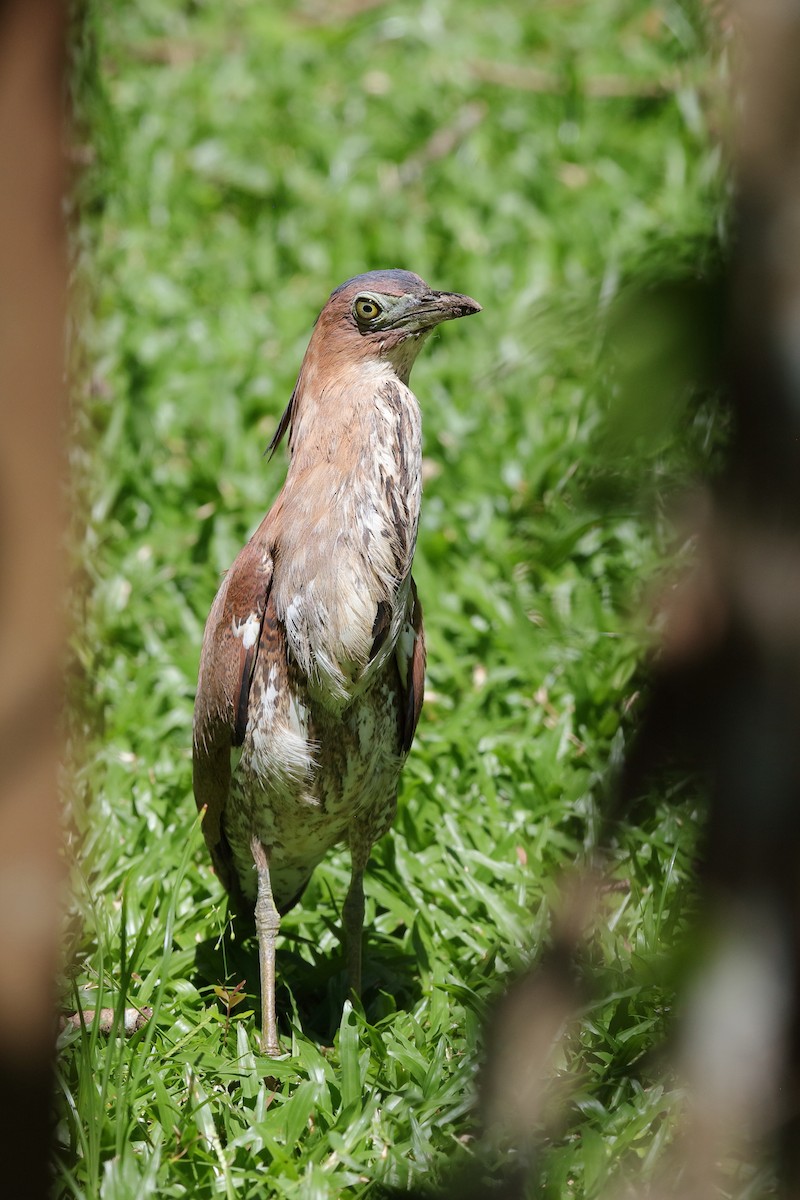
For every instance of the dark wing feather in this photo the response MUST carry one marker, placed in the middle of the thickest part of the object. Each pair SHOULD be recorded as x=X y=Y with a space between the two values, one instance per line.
x=284 y=423
x=227 y=662
x=411 y=662
x=247 y=665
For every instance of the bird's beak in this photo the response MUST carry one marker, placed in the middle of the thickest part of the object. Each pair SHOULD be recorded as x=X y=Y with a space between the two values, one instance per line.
x=425 y=312
x=447 y=306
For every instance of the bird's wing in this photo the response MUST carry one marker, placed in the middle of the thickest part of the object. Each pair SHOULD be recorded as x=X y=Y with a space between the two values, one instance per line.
x=411 y=663
x=227 y=661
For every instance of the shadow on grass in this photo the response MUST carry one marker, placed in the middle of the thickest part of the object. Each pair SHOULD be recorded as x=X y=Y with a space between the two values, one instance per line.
x=312 y=982
x=466 y=1184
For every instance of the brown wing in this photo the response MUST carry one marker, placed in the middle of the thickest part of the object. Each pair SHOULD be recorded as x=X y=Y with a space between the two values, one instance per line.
x=411 y=662
x=227 y=661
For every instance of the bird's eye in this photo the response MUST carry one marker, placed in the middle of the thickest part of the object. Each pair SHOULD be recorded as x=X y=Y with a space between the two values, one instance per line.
x=367 y=309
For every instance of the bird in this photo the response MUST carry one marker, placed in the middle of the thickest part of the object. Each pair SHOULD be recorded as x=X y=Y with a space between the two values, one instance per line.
x=313 y=659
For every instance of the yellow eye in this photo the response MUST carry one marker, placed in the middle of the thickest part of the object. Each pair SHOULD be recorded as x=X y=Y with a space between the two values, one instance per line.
x=367 y=309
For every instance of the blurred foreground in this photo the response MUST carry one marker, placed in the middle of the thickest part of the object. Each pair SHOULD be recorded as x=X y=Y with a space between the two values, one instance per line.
x=32 y=485
x=723 y=699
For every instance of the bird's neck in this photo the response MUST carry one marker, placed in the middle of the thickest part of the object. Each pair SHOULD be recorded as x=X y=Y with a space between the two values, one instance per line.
x=336 y=417
x=348 y=521
x=356 y=461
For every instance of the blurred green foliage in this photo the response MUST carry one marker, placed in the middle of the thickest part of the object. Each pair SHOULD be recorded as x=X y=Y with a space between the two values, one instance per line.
x=243 y=159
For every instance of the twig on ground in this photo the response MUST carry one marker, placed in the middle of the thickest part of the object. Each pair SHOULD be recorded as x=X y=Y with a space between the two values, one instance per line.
x=133 y=1020
x=598 y=87
x=443 y=142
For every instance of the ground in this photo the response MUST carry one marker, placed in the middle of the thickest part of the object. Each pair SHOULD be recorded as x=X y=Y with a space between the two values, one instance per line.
x=238 y=161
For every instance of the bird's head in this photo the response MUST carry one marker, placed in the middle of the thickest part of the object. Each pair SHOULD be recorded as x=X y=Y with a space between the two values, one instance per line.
x=375 y=314
x=381 y=317
x=384 y=315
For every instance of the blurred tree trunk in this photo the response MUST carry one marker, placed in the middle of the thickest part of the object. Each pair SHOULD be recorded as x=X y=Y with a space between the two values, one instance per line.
x=33 y=271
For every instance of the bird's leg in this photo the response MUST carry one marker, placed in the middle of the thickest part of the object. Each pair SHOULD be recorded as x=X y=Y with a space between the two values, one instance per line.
x=267 y=925
x=353 y=910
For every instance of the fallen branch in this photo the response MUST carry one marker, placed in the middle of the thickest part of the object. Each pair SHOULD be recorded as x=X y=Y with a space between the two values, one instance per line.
x=598 y=87
x=443 y=142
x=338 y=10
x=133 y=1020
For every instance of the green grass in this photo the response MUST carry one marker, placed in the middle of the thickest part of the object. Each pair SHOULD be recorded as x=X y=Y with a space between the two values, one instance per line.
x=246 y=159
